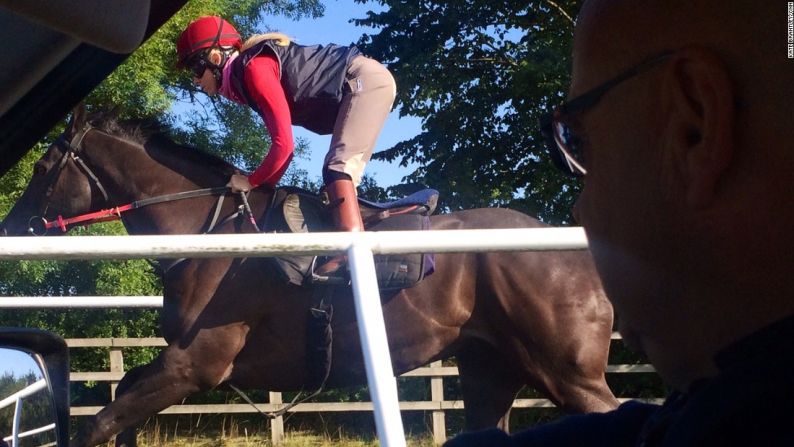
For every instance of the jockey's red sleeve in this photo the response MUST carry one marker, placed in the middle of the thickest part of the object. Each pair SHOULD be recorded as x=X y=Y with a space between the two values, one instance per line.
x=264 y=87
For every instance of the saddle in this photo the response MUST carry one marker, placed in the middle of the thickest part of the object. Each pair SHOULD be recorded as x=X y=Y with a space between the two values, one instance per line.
x=295 y=210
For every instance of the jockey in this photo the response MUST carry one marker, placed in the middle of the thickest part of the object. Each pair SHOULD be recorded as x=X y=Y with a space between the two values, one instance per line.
x=327 y=89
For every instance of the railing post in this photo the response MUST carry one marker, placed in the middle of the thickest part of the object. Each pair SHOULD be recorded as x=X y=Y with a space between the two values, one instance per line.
x=17 y=417
x=437 y=396
x=116 y=365
x=375 y=347
x=276 y=424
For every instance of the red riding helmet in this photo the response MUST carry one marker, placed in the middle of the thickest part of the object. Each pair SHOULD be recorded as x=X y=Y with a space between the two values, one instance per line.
x=206 y=32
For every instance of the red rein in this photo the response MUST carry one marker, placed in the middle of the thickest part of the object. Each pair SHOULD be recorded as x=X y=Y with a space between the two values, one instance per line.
x=115 y=212
x=90 y=218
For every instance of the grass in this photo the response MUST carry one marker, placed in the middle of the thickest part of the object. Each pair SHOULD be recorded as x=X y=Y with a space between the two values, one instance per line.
x=294 y=439
x=231 y=434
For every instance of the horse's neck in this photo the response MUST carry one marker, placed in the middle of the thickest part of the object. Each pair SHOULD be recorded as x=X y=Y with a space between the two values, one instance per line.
x=131 y=173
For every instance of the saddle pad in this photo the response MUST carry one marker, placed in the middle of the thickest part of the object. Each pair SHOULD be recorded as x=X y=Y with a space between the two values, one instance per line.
x=394 y=272
x=401 y=271
x=305 y=214
x=302 y=212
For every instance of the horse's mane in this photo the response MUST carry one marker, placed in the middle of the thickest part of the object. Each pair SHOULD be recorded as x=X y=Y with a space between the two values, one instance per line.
x=150 y=130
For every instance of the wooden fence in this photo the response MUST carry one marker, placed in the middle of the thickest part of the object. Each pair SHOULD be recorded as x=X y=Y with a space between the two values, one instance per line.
x=435 y=371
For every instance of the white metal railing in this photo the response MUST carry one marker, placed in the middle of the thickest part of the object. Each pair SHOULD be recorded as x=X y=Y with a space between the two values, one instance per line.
x=16 y=400
x=264 y=245
x=359 y=247
x=79 y=302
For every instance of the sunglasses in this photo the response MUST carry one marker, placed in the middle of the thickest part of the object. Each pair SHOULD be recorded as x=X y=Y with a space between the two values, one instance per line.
x=563 y=143
x=197 y=65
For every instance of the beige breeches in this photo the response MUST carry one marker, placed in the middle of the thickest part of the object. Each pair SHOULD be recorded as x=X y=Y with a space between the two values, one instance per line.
x=364 y=108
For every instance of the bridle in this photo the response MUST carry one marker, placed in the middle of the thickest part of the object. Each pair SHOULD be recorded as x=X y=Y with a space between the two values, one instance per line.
x=71 y=149
x=70 y=152
x=39 y=225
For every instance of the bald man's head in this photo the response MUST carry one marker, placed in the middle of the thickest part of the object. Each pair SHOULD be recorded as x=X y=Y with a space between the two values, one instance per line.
x=689 y=160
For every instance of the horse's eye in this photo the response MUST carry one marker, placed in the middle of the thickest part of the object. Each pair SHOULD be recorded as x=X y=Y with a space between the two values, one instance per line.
x=39 y=169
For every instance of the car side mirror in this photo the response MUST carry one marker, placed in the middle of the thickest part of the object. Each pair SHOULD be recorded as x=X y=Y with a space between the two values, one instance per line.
x=34 y=382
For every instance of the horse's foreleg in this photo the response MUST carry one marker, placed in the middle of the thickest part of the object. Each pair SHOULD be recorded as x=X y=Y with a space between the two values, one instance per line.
x=578 y=384
x=582 y=387
x=89 y=432
x=128 y=436
x=172 y=376
x=489 y=385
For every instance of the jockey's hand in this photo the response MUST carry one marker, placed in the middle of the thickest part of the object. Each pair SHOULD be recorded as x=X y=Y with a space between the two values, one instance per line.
x=239 y=183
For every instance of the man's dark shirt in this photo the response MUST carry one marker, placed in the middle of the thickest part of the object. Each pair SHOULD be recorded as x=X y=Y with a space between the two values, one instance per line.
x=749 y=403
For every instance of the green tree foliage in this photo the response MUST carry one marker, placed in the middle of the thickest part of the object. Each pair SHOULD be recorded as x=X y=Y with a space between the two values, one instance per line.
x=479 y=73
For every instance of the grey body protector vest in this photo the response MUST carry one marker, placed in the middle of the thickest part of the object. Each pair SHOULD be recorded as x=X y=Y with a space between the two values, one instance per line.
x=313 y=78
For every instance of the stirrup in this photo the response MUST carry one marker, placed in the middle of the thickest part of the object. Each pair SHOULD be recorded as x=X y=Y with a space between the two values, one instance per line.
x=338 y=277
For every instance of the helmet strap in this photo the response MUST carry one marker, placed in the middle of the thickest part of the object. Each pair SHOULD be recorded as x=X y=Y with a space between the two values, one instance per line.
x=217 y=70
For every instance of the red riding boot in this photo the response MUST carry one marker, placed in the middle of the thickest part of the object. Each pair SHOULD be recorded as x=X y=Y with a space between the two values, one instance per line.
x=343 y=201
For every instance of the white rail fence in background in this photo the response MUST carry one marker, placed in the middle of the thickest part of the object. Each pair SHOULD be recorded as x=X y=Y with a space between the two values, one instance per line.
x=16 y=400
x=359 y=247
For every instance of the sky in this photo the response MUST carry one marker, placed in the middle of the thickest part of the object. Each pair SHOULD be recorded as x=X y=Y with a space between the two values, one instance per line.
x=17 y=363
x=334 y=27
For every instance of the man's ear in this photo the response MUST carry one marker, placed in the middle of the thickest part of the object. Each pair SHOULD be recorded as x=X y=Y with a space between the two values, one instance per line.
x=701 y=113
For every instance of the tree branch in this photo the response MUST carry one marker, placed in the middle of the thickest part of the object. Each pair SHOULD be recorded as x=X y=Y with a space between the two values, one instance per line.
x=562 y=11
x=495 y=60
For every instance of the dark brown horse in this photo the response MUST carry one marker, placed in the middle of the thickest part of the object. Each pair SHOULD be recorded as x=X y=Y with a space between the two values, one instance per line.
x=510 y=319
